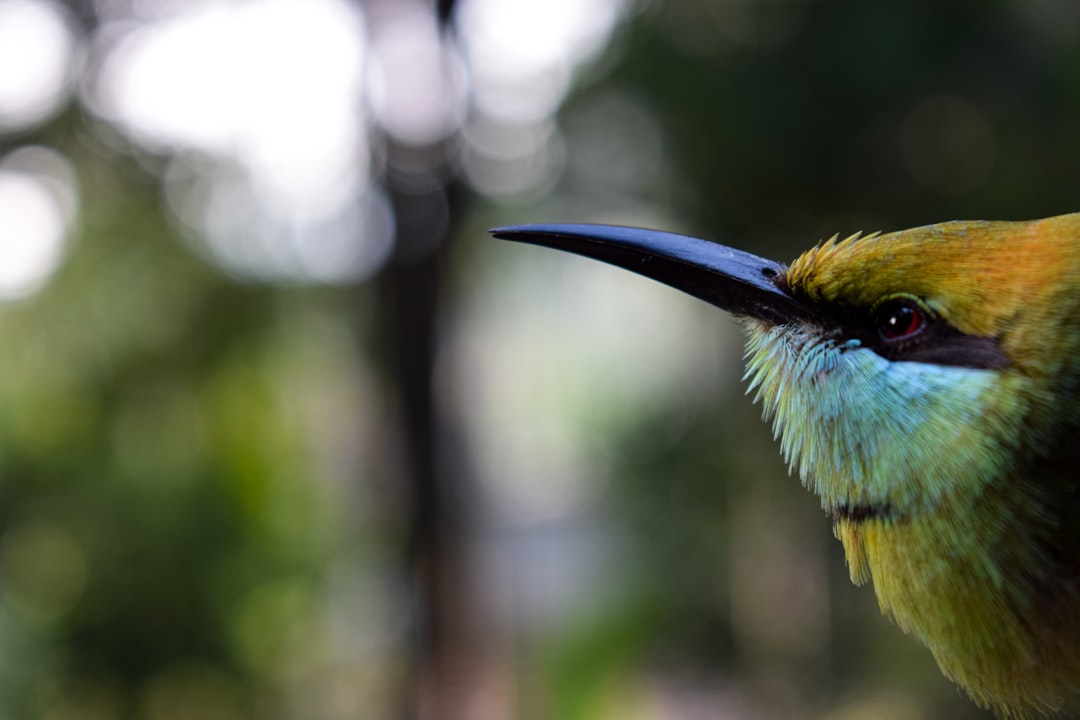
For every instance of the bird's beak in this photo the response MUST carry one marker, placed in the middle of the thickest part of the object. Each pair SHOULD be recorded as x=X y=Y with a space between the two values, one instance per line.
x=736 y=281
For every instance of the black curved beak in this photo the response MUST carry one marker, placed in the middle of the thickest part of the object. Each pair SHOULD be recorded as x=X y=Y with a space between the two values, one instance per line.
x=733 y=280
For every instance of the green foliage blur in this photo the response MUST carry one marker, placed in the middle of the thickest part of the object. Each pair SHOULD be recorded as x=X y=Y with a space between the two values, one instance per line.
x=163 y=542
x=176 y=539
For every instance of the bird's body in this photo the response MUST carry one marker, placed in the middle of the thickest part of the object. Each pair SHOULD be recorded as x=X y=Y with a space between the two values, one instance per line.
x=925 y=385
x=951 y=465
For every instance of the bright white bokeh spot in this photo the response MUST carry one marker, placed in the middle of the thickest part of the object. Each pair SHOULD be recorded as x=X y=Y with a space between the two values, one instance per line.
x=261 y=103
x=36 y=53
x=522 y=52
x=38 y=200
x=272 y=83
x=522 y=56
x=416 y=84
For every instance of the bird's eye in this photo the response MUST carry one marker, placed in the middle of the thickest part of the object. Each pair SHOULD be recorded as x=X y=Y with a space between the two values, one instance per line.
x=899 y=319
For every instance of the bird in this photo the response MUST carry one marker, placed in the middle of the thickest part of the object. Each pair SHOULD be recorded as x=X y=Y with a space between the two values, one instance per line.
x=925 y=385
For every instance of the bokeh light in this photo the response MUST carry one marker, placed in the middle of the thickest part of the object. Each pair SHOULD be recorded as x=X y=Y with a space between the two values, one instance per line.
x=260 y=103
x=416 y=83
x=37 y=54
x=38 y=201
x=522 y=54
x=521 y=57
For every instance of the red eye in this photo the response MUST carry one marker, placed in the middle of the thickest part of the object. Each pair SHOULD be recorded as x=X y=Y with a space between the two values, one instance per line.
x=899 y=319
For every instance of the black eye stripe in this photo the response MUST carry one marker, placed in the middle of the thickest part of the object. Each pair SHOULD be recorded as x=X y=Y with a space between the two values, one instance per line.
x=937 y=342
x=934 y=342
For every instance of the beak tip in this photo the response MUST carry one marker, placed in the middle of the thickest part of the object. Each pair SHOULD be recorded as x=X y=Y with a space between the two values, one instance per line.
x=506 y=232
x=516 y=232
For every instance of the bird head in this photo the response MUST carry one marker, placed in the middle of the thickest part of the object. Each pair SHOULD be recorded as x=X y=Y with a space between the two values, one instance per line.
x=899 y=370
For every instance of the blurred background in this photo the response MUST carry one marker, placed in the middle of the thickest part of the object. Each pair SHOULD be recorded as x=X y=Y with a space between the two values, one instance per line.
x=285 y=434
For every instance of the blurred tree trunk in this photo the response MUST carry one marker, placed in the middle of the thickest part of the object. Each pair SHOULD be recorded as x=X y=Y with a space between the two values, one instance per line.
x=443 y=664
x=408 y=301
